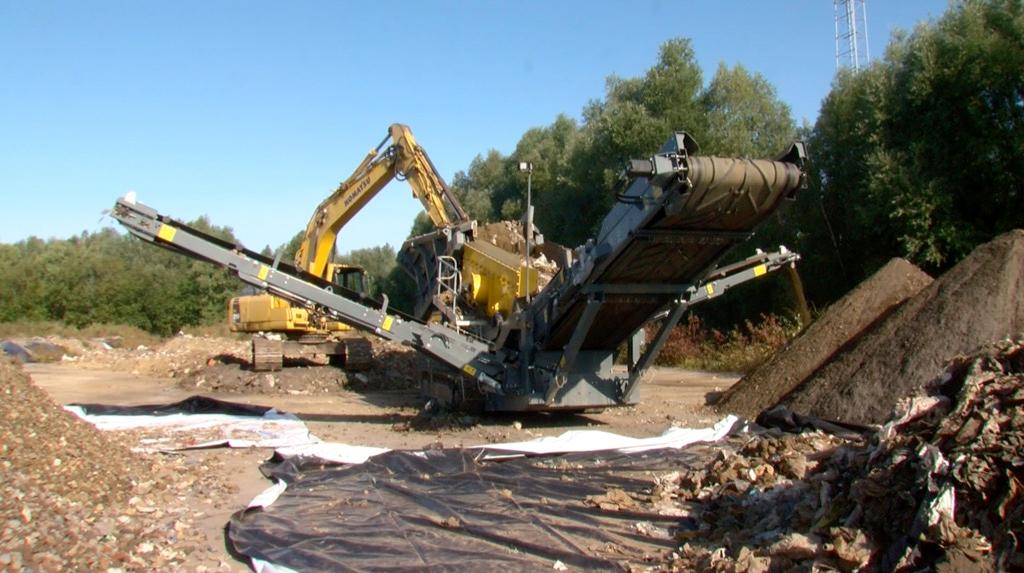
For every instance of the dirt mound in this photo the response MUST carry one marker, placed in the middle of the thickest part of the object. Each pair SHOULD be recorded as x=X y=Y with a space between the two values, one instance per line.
x=73 y=499
x=175 y=357
x=393 y=367
x=979 y=300
x=855 y=313
x=937 y=488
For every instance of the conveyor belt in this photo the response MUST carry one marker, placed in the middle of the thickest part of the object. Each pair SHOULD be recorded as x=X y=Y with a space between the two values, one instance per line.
x=667 y=232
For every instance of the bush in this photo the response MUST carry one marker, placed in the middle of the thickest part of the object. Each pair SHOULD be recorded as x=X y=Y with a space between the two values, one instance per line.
x=694 y=346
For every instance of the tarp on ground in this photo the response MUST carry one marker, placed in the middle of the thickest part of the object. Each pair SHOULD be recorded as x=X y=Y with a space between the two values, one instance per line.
x=459 y=510
x=200 y=422
x=15 y=351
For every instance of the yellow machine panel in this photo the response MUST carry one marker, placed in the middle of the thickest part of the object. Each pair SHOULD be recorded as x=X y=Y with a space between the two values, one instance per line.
x=268 y=313
x=265 y=312
x=496 y=278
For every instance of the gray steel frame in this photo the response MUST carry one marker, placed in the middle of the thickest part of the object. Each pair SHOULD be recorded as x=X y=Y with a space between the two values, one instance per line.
x=447 y=345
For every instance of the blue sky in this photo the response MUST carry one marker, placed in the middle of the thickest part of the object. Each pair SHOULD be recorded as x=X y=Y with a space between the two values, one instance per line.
x=252 y=112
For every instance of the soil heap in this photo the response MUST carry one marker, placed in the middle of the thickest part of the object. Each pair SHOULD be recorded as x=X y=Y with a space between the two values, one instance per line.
x=977 y=301
x=861 y=309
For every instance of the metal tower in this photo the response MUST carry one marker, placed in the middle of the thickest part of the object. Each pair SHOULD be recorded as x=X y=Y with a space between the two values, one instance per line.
x=851 y=33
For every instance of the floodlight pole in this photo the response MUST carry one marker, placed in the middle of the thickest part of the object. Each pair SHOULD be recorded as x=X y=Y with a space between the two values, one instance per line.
x=527 y=167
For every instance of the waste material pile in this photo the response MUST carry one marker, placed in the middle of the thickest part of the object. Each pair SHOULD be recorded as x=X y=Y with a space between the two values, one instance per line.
x=36 y=349
x=176 y=357
x=510 y=237
x=393 y=367
x=74 y=499
x=213 y=364
x=938 y=487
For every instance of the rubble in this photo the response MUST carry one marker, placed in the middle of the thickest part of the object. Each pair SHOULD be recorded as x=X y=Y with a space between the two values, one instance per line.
x=36 y=349
x=510 y=236
x=393 y=367
x=846 y=320
x=73 y=499
x=175 y=357
x=938 y=487
x=221 y=365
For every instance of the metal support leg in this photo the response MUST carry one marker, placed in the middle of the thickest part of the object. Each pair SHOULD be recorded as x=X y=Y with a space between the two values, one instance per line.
x=634 y=347
x=798 y=296
x=653 y=349
x=572 y=349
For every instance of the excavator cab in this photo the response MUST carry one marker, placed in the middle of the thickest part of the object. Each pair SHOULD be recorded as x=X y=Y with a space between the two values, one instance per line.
x=351 y=277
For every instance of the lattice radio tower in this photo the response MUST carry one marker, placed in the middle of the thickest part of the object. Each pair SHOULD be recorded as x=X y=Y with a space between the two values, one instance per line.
x=851 y=33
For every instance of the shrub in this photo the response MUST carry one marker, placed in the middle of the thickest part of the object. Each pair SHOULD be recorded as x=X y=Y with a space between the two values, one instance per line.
x=694 y=346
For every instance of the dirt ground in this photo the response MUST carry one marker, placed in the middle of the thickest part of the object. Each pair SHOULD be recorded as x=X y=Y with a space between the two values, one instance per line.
x=367 y=418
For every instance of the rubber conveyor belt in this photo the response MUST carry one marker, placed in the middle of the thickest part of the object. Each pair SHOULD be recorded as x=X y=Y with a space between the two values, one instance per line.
x=680 y=215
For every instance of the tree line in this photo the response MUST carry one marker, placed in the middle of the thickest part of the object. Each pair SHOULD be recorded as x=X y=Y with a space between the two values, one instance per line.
x=920 y=155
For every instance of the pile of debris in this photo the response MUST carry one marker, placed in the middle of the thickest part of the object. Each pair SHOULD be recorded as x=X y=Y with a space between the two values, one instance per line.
x=938 y=487
x=214 y=364
x=511 y=237
x=176 y=357
x=74 y=499
x=35 y=349
x=393 y=367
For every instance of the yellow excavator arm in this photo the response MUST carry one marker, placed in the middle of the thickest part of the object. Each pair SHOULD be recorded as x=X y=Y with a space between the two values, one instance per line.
x=397 y=156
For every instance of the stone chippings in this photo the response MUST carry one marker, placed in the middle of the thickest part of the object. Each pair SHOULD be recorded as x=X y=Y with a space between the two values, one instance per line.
x=74 y=499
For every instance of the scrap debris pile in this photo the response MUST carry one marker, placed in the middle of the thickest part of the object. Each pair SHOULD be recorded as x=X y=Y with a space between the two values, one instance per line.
x=393 y=367
x=176 y=357
x=510 y=237
x=213 y=364
x=938 y=487
x=74 y=499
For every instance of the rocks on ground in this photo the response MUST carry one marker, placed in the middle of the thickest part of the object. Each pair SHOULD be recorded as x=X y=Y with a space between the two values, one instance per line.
x=73 y=499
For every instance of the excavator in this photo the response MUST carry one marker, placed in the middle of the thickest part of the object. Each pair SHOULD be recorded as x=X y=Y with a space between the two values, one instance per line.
x=282 y=330
x=509 y=342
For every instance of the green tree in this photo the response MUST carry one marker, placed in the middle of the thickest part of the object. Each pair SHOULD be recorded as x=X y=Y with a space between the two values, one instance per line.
x=378 y=262
x=477 y=186
x=577 y=165
x=106 y=277
x=744 y=115
x=921 y=155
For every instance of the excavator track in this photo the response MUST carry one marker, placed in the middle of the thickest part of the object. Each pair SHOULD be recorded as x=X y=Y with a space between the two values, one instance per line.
x=353 y=353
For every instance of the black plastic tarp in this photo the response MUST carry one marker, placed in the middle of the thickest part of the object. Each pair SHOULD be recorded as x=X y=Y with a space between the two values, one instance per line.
x=449 y=510
x=190 y=405
x=15 y=351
